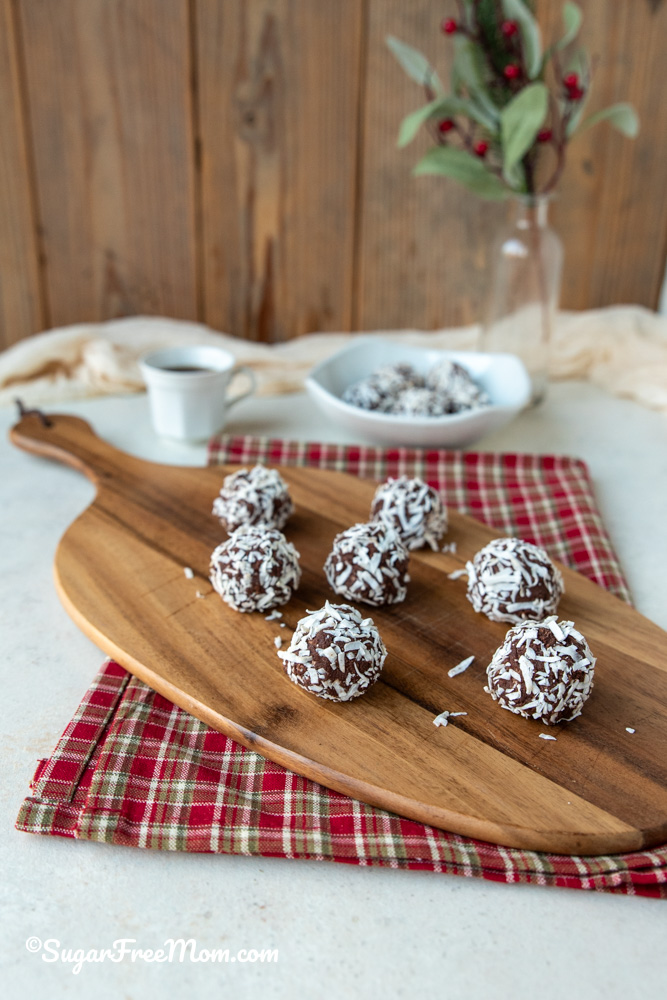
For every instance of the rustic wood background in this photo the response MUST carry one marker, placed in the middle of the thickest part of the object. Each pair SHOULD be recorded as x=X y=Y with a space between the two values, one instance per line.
x=234 y=161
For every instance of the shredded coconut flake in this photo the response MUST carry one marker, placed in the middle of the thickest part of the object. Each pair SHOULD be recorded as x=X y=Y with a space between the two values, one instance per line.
x=546 y=736
x=457 y=574
x=277 y=642
x=629 y=730
x=444 y=717
x=556 y=629
x=273 y=616
x=188 y=573
x=460 y=667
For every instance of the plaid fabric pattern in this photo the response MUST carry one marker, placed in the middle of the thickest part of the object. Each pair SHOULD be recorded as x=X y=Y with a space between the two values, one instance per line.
x=133 y=769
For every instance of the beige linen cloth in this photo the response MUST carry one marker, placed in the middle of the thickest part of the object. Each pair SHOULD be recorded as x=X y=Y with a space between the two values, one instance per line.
x=623 y=349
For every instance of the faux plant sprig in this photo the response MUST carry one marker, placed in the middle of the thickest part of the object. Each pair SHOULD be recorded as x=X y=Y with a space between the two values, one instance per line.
x=512 y=103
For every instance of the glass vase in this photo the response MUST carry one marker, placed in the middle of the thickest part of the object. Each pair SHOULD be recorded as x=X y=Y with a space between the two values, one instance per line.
x=524 y=289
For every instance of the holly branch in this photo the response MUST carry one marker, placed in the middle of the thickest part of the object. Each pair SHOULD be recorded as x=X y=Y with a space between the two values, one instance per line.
x=511 y=101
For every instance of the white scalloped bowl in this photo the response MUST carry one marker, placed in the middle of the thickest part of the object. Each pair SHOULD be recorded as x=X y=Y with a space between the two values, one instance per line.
x=502 y=376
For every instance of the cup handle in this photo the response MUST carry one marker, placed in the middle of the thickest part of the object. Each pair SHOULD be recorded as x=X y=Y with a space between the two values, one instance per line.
x=242 y=370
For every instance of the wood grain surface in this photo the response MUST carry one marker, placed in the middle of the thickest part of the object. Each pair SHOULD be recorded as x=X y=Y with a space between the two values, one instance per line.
x=120 y=573
x=111 y=129
x=277 y=93
x=609 y=182
x=21 y=307
x=235 y=162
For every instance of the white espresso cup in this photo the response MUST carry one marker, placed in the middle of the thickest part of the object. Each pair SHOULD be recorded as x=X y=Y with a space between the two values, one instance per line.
x=188 y=390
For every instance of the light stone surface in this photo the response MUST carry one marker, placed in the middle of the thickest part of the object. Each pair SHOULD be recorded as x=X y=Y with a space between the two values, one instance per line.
x=341 y=931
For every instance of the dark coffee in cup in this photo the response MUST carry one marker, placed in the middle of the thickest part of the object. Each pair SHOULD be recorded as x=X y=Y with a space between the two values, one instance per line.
x=186 y=368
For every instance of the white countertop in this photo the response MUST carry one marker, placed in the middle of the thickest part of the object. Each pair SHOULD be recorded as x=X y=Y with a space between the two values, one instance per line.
x=341 y=931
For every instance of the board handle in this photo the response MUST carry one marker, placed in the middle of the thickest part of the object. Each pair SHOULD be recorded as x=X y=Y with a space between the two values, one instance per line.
x=66 y=439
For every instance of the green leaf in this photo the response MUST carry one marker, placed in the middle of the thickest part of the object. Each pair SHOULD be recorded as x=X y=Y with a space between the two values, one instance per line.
x=516 y=10
x=516 y=178
x=415 y=64
x=578 y=63
x=441 y=107
x=464 y=168
x=572 y=18
x=520 y=121
x=468 y=63
x=413 y=122
x=621 y=116
x=468 y=70
x=480 y=115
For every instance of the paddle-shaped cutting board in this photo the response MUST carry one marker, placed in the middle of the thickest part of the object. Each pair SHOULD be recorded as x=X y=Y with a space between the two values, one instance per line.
x=488 y=774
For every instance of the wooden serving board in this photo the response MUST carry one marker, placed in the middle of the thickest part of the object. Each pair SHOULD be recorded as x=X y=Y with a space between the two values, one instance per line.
x=119 y=572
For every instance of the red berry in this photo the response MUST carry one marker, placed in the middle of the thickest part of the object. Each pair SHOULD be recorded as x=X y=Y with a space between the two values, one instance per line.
x=446 y=125
x=480 y=148
x=571 y=81
x=509 y=28
x=449 y=26
x=544 y=135
x=511 y=71
x=575 y=94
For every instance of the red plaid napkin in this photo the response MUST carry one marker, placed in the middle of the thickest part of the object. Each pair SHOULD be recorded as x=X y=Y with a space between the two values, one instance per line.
x=132 y=768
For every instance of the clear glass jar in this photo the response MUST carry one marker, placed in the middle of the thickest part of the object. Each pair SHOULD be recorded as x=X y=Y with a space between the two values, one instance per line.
x=524 y=289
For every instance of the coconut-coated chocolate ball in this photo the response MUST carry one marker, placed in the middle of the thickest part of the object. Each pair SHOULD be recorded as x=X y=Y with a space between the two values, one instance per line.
x=510 y=580
x=543 y=671
x=256 y=569
x=368 y=563
x=414 y=509
x=335 y=653
x=253 y=496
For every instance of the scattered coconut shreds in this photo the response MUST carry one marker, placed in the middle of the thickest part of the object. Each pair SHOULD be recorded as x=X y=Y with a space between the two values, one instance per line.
x=273 y=616
x=188 y=573
x=545 y=736
x=628 y=729
x=457 y=574
x=449 y=547
x=460 y=667
x=444 y=717
x=199 y=594
x=282 y=624
x=277 y=642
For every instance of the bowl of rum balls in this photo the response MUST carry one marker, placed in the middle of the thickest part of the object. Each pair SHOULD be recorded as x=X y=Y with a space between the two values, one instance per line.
x=396 y=394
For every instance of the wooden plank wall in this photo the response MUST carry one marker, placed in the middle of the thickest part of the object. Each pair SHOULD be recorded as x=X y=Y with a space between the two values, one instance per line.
x=278 y=87
x=234 y=161
x=21 y=305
